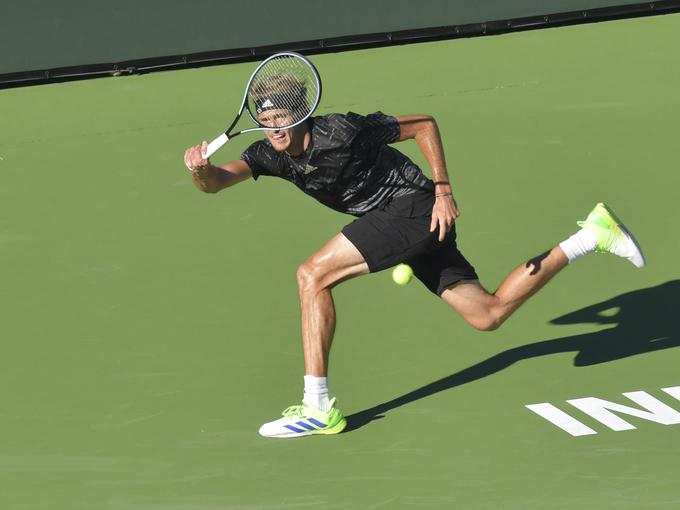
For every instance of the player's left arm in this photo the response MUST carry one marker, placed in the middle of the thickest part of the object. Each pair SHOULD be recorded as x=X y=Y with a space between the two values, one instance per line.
x=424 y=130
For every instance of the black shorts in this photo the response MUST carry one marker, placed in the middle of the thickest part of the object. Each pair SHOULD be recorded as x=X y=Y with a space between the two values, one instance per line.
x=400 y=232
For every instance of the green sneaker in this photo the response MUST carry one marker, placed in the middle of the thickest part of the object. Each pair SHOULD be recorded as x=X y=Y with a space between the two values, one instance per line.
x=305 y=420
x=612 y=235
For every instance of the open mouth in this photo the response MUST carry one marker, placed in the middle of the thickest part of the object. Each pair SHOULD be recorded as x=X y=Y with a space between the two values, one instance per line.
x=278 y=137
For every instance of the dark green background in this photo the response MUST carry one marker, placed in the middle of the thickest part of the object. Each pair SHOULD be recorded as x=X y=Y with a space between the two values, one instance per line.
x=38 y=34
x=149 y=329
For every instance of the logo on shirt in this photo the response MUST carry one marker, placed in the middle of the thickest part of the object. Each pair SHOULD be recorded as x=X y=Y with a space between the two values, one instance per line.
x=309 y=169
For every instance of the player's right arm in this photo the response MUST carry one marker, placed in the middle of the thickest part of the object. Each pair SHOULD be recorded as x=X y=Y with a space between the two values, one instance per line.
x=210 y=178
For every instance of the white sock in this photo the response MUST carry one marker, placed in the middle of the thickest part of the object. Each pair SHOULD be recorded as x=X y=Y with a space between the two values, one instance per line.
x=316 y=392
x=581 y=243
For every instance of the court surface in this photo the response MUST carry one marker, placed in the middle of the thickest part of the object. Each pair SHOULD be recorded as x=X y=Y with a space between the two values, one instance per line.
x=149 y=329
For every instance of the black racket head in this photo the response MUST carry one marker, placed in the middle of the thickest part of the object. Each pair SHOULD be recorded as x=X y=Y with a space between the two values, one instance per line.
x=283 y=91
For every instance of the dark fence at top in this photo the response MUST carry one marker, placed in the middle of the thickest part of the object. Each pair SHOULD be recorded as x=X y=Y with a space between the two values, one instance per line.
x=42 y=40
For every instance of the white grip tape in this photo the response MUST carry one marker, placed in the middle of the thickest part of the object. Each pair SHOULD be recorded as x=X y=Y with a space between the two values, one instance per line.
x=215 y=145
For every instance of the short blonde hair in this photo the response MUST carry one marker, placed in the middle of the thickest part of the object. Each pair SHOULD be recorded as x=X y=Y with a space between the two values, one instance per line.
x=284 y=91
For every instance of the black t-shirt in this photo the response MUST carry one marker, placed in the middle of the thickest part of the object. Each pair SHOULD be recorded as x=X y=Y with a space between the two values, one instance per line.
x=348 y=164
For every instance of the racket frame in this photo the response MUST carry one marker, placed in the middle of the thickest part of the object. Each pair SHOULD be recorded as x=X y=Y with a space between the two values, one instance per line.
x=219 y=142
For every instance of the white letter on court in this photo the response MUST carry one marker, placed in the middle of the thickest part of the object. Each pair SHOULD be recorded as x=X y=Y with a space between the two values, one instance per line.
x=561 y=419
x=599 y=409
x=673 y=391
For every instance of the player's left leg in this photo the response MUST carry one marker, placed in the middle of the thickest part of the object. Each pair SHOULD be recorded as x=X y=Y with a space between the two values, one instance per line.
x=602 y=231
x=486 y=311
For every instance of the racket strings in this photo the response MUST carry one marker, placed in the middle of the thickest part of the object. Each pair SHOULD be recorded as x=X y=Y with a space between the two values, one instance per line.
x=286 y=84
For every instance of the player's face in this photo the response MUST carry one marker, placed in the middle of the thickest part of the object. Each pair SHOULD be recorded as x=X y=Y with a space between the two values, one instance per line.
x=281 y=139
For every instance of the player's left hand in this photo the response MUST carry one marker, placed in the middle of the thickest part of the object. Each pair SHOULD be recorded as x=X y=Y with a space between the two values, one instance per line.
x=444 y=213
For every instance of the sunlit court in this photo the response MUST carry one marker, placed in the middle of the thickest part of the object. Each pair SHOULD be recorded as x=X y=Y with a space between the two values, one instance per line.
x=150 y=329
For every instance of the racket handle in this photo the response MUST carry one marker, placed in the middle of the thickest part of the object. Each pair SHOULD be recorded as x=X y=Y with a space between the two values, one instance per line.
x=215 y=145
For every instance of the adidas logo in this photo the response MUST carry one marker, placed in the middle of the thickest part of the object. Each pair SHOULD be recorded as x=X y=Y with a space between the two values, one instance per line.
x=267 y=104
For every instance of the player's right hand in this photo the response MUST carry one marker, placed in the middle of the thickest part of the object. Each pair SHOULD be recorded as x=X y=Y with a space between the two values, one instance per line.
x=193 y=157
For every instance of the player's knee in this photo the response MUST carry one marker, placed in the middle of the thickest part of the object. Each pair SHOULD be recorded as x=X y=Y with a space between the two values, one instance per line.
x=309 y=276
x=490 y=325
x=487 y=322
x=304 y=275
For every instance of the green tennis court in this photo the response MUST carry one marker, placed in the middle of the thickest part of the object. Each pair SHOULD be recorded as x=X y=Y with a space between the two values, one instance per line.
x=149 y=329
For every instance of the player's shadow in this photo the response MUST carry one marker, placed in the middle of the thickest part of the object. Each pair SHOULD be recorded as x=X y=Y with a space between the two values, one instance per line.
x=643 y=321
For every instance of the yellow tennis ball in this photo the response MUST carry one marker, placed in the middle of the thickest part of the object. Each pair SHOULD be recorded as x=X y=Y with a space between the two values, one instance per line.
x=402 y=274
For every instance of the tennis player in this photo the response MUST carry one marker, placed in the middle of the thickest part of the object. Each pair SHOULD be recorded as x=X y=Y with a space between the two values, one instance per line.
x=347 y=163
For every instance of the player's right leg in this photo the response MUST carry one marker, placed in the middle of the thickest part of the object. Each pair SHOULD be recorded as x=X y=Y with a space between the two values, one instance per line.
x=338 y=260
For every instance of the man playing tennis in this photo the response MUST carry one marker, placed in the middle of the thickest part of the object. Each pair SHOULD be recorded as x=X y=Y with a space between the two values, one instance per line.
x=346 y=162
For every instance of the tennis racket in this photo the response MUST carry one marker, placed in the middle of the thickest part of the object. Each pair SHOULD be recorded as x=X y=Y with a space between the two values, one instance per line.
x=282 y=92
